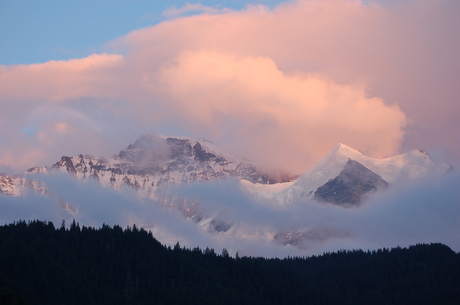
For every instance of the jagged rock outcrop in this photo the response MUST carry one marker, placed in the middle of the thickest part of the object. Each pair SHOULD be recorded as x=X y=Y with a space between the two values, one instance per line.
x=154 y=166
x=153 y=161
x=18 y=186
x=350 y=186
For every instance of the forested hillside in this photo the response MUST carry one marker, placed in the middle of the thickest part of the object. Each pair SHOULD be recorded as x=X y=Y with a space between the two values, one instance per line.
x=42 y=264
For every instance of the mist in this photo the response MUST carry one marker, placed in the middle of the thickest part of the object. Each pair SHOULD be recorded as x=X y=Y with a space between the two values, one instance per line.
x=426 y=211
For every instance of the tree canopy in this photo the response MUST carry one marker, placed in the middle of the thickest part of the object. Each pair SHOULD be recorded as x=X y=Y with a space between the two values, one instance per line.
x=42 y=264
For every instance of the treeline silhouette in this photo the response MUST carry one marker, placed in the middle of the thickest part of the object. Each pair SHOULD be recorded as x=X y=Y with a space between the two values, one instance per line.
x=42 y=264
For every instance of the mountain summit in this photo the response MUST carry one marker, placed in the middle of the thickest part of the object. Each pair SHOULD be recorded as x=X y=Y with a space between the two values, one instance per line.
x=153 y=161
x=345 y=176
x=152 y=165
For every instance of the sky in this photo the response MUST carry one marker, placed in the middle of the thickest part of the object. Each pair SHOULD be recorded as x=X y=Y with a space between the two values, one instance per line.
x=281 y=82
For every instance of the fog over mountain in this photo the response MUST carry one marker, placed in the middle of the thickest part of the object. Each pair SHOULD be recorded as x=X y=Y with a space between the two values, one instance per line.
x=400 y=200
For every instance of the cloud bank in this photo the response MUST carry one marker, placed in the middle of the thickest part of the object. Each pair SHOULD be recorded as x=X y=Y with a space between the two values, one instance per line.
x=282 y=85
x=427 y=211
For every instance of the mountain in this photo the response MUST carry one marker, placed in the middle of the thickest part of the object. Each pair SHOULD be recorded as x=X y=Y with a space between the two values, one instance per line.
x=12 y=186
x=350 y=186
x=153 y=165
x=153 y=161
x=18 y=186
x=345 y=177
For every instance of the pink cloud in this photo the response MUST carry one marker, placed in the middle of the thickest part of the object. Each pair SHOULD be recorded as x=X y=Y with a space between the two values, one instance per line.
x=57 y=81
x=404 y=53
x=284 y=85
x=280 y=120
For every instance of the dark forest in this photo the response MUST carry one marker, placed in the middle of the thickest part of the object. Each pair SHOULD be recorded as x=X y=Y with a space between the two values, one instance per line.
x=44 y=264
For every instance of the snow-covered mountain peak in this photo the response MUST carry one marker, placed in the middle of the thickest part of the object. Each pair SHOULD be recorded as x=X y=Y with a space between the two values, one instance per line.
x=154 y=160
x=410 y=165
x=341 y=163
x=332 y=163
x=319 y=174
x=160 y=146
x=418 y=155
x=153 y=163
x=17 y=186
x=345 y=150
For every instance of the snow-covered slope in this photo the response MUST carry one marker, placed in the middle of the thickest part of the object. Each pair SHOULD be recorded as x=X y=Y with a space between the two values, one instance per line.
x=11 y=186
x=154 y=161
x=18 y=186
x=337 y=165
x=153 y=164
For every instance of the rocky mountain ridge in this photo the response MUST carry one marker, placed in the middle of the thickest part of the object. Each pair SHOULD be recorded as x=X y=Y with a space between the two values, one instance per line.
x=153 y=165
x=346 y=170
x=153 y=161
x=18 y=186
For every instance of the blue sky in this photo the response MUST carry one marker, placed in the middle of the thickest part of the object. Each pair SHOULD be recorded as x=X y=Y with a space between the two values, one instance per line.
x=35 y=31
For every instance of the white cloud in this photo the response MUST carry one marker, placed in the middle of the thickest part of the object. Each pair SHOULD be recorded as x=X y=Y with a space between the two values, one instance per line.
x=194 y=8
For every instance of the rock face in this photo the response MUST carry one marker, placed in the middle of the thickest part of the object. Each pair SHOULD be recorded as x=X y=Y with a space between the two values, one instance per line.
x=18 y=186
x=152 y=162
x=11 y=186
x=350 y=186
x=345 y=176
